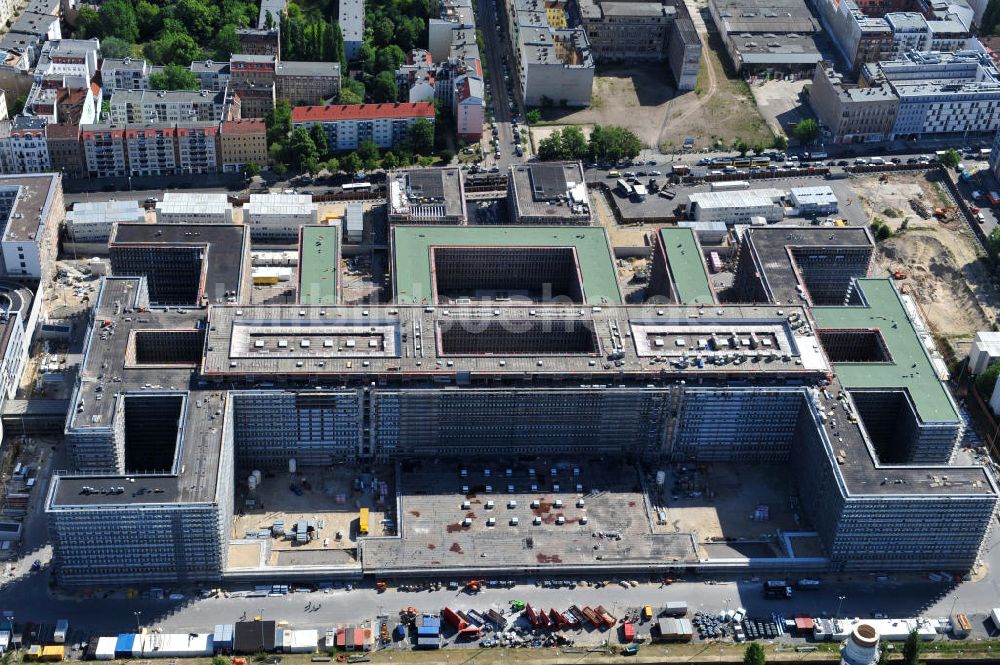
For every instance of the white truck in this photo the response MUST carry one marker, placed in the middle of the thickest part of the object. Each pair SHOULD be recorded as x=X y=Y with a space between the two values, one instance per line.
x=62 y=627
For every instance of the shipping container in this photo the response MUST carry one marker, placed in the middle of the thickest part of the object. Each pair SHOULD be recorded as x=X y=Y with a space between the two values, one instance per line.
x=675 y=608
x=363 y=522
x=673 y=630
x=628 y=631
x=62 y=627
x=105 y=649
x=605 y=616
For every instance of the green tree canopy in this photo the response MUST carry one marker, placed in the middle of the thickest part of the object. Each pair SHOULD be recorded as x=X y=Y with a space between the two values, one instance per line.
x=987 y=380
x=911 y=650
x=368 y=152
x=780 y=142
x=173 y=47
x=226 y=42
x=384 y=88
x=613 y=144
x=115 y=47
x=174 y=77
x=806 y=131
x=301 y=147
x=754 y=655
x=951 y=158
x=350 y=163
x=551 y=147
x=319 y=140
x=420 y=136
x=278 y=122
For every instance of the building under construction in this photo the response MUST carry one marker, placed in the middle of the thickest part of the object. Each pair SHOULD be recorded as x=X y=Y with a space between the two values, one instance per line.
x=169 y=402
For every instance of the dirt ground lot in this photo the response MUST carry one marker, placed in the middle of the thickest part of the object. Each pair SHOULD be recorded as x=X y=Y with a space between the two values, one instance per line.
x=942 y=260
x=330 y=502
x=642 y=98
x=725 y=502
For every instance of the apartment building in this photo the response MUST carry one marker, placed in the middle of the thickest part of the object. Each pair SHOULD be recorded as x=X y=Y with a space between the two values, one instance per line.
x=627 y=31
x=252 y=70
x=452 y=14
x=270 y=14
x=941 y=93
x=211 y=75
x=68 y=57
x=307 y=83
x=553 y=60
x=125 y=74
x=852 y=113
x=44 y=27
x=31 y=210
x=242 y=142
x=351 y=18
x=92 y=221
x=142 y=106
x=197 y=147
x=66 y=150
x=255 y=100
x=151 y=149
x=278 y=217
x=260 y=41
x=28 y=148
x=348 y=125
x=104 y=150
x=469 y=109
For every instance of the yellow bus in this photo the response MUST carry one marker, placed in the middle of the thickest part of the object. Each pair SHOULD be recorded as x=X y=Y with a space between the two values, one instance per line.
x=363 y=522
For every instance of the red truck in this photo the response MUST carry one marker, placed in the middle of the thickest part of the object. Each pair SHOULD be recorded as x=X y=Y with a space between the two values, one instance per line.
x=606 y=618
x=592 y=617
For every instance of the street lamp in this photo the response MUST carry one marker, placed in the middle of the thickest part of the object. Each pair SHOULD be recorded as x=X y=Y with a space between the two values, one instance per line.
x=137 y=614
x=840 y=601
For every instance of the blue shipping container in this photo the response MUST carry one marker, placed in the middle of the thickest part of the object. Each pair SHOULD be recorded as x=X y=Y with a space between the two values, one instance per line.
x=125 y=644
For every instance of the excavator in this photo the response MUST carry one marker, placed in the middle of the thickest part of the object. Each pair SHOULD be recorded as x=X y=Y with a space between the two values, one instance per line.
x=474 y=586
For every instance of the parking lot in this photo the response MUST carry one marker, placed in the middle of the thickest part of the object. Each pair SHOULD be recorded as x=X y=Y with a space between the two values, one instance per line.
x=583 y=514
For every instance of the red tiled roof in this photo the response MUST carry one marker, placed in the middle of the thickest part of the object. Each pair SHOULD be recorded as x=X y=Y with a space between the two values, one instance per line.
x=362 y=112
x=95 y=88
x=245 y=126
x=62 y=131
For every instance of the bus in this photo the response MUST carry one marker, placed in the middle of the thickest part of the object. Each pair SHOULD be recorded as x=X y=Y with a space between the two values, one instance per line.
x=356 y=186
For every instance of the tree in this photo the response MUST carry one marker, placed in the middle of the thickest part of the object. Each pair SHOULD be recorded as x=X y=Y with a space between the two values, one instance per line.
x=911 y=650
x=350 y=163
x=384 y=89
x=574 y=143
x=741 y=146
x=116 y=18
x=173 y=47
x=278 y=122
x=368 y=153
x=389 y=161
x=883 y=654
x=115 y=47
x=951 y=158
x=250 y=170
x=333 y=165
x=351 y=92
x=382 y=31
x=149 y=18
x=301 y=147
x=318 y=136
x=534 y=116
x=987 y=381
x=174 y=77
x=754 y=655
x=806 y=130
x=421 y=136
x=226 y=42
x=780 y=142
x=338 y=51
x=389 y=59
x=200 y=18
x=87 y=23
x=17 y=105
x=446 y=155
x=613 y=144
x=551 y=147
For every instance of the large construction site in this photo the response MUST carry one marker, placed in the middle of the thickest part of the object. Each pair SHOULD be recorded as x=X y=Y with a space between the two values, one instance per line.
x=508 y=413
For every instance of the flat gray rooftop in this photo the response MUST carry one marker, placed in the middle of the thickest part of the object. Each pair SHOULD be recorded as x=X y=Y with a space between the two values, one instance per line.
x=422 y=195
x=410 y=341
x=26 y=219
x=555 y=191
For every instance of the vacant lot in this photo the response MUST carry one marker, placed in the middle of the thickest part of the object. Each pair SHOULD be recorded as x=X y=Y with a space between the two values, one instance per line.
x=945 y=272
x=643 y=99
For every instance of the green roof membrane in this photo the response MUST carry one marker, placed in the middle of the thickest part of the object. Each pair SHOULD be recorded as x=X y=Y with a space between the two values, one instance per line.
x=412 y=244
x=687 y=266
x=910 y=369
x=318 y=265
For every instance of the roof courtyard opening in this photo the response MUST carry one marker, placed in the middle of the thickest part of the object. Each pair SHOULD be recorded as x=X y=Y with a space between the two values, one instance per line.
x=859 y=345
x=536 y=274
x=152 y=425
x=170 y=348
x=467 y=337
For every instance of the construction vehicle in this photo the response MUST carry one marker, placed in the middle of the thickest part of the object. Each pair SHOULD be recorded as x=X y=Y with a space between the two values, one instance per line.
x=380 y=586
x=898 y=274
x=517 y=605
x=647 y=612
x=941 y=213
x=462 y=626
x=363 y=522
x=474 y=586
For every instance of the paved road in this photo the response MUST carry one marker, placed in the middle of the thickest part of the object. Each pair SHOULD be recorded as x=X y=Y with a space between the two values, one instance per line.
x=497 y=55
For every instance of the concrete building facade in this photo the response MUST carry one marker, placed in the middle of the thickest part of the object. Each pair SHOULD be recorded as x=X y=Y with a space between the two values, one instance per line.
x=347 y=126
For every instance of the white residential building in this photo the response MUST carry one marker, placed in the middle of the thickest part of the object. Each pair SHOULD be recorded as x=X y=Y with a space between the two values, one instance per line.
x=352 y=26
x=31 y=210
x=469 y=107
x=140 y=106
x=91 y=221
x=346 y=126
x=68 y=57
x=277 y=217
x=194 y=208
x=125 y=74
x=29 y=149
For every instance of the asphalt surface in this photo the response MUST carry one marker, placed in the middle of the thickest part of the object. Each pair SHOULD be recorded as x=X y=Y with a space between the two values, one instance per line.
x=499 y=99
